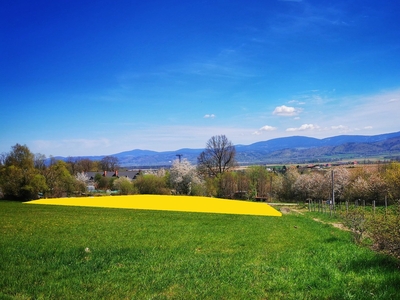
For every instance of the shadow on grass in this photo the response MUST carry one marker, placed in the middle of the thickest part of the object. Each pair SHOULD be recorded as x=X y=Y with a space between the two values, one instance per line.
x=382 y=262
x=333 y=239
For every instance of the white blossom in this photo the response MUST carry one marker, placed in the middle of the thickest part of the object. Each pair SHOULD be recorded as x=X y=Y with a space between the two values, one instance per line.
x=182 y=176
x=82 y=177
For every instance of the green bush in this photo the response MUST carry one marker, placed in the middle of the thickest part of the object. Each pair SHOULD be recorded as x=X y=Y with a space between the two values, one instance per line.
x=151 y=184
x=355 y=219
x=124 y=186
x=384 y=229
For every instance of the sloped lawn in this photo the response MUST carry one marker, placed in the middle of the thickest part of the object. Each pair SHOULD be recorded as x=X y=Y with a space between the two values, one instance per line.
x=68 y=252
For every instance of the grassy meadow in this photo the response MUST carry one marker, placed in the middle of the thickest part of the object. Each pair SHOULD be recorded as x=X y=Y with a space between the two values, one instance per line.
x=68 y=252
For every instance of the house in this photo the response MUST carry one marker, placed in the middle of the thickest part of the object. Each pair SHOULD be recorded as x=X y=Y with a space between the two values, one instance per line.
x=132 y=174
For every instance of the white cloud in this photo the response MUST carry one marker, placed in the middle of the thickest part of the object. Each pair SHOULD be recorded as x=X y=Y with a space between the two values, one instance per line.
x=264 y=128
x=267 y=128
x=304 y=127
x=286 y=111
x=209 y=116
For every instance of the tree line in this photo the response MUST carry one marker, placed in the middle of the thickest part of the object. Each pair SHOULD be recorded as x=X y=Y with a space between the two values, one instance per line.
x=356 y=183
x=25 y=176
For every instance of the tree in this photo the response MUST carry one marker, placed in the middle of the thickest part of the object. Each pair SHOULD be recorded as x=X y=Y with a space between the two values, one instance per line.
x=3 y=158
x=59 y=180
x=284 y=185
x=82 y=177
x=303 y=186
x=392 y=178
x=151 y=184
x=341 y=181
x=210 y=186
x=86 y=165
x=20 y=157
x=243 y=182
x=40 y=161
x=378 y=188
x=260 y=181
x=218 y=156
x=77 y=165
x=72 y=165
x=360 y=188
x=183 y=176
x=124 y=186
x=102 y=182
x=227 y=185
x=109 y=163
x=82 y=180
x=18 y=177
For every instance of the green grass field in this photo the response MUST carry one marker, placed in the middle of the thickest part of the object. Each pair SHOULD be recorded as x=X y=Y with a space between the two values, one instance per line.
x=65 y=252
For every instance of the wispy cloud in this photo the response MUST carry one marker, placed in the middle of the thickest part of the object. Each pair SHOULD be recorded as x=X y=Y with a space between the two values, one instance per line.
x=340 y=127
x=375 y=112
x=308 y=19
x=297 y=102
x=209 y=116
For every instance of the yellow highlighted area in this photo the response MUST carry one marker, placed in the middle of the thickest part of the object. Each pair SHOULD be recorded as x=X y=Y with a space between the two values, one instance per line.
x=169 y=202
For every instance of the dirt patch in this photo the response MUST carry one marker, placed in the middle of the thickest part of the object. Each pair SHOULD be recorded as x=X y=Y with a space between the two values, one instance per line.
x=285 y=210
x=340 y=226
x=336 y=225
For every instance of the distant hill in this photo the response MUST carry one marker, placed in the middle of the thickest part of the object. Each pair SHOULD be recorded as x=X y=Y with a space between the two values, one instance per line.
x=299 y=149
x=295 y=149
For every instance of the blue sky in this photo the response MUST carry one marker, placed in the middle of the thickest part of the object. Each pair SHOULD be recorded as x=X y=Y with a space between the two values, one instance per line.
x=100 y=77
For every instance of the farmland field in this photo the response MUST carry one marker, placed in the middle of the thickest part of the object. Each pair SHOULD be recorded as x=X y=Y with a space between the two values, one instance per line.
x=70 y=252
x=171 y=203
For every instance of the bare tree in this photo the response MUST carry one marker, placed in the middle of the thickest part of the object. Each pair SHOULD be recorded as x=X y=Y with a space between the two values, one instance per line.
x=3 y=157
x=85 y=165
x=72 y=165
x=218 y=157
x=109 y=163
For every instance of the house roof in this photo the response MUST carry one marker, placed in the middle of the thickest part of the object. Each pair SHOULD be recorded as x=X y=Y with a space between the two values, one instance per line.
x=130 y=174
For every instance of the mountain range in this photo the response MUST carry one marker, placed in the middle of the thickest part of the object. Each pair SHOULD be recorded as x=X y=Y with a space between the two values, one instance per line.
x=294 y=149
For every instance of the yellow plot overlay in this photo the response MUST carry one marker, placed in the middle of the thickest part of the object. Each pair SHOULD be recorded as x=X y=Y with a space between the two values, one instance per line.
x=167 y=202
